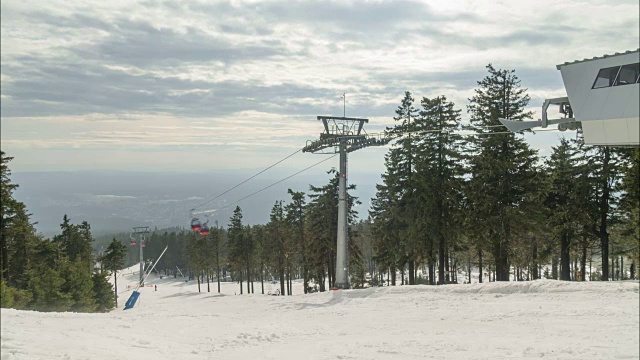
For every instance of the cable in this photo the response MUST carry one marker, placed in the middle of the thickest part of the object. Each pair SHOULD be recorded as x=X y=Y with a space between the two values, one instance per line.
x=269 y=167
x=277 y=182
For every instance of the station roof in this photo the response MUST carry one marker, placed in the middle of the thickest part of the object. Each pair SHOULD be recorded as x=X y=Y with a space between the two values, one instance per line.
x=597 y=58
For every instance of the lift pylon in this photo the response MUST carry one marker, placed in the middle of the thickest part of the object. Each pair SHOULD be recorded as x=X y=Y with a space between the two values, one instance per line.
x=343 y=135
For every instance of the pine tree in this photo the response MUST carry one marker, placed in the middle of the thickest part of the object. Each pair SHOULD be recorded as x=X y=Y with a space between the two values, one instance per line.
x=385 y=213
x=630 y=205
x=113 y=260
x=403 y=176
x=503 y=166
x=563 y=201
x=102 y=292
x=277 y=232
x=295 y=215
x=237 y=251
x=79 y=285
x=604 y=166
x=440 y=171
x=7 y=203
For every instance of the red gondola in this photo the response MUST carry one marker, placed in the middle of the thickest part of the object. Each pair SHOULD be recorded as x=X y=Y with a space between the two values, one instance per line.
x=205 y=229
x=195 y=224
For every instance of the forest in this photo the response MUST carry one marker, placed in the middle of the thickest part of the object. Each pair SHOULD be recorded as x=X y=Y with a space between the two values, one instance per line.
x=455 y=195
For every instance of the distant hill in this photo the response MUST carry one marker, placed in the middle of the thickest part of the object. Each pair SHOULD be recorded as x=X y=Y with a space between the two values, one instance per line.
x=115 y=201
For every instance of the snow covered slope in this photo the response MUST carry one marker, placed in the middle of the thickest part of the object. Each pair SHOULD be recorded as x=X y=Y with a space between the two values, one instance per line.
x=540 y=319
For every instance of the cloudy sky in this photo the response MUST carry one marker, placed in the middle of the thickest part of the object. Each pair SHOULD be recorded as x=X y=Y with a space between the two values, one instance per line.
x=171 y=85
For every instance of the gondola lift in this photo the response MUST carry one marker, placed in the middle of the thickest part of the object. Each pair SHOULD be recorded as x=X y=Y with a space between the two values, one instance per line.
x=195 y=223
x=204 y=230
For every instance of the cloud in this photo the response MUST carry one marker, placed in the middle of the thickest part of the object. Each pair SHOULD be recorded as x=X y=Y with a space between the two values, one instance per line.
x=171 y=76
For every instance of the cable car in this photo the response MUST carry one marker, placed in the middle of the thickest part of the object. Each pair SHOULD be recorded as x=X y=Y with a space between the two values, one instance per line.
x=195 y=224
x=144 y=243
x=132 y=240
x=204 y=230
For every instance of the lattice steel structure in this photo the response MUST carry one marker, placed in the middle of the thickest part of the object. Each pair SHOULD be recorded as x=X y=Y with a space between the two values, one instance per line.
x=343 y=135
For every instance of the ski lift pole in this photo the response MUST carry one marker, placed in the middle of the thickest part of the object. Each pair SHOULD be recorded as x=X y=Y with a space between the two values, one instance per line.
x=153 y=267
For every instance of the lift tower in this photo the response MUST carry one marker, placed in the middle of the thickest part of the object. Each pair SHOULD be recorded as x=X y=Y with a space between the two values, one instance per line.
x=141 y=231
x=343 y=135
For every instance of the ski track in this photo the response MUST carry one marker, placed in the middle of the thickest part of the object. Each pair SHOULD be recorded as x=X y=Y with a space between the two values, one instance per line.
x=515 y=320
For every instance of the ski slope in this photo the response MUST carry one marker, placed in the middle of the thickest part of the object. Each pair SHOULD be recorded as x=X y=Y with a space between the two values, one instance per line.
x=517 y=320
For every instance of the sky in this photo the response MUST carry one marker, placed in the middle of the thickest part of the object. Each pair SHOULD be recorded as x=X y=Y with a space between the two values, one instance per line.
x=219 y=86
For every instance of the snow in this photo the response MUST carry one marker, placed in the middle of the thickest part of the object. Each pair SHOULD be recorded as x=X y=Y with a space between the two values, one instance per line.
x=538 y=319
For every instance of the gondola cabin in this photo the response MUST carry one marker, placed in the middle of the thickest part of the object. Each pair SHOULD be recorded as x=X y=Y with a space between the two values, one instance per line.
x=204 y=230
x=604 y=96
x=195 y=225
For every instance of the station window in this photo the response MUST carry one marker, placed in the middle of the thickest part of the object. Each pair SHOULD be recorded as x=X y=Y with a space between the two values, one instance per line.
x=606 y=77
x=628 y=74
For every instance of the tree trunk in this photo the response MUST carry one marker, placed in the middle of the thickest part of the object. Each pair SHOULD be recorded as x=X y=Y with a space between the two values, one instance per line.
x=431 y=264
x=480 y=265
x=441 y=256
x=198 y=277
x=565 y=260
x=115 y=285
x=290 y=281
x=632 y=270
x=248 y=277
x=554 y=268
x=282 y=277
x=583 y=263
x=393 y=276
x=534 y=263
x=208 y=287
x=447 y=270
x=305 y=274
x=412 y=268
x=262 y=277
x=604 y=210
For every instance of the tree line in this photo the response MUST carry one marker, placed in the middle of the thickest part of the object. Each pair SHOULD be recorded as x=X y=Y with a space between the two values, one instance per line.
x=450 y=200
x=57 y=274
x=454 y=195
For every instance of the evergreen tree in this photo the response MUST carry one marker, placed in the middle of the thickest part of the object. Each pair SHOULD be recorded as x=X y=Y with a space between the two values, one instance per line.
x=604 y=169
x=403 y=178
x=562 y=200
x=46 y=285
x=75 y=241
x=295 y=215
x=7 y=203
x=440 y=171
x=277 y=232
x=237 y=256
x=102 y=292
x=503 y=166
x=630 y=205
x=79 y=285
x=113 y=260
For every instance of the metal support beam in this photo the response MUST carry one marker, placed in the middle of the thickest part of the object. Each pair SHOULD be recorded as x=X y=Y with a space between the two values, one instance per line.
x=342 y=260
x=141 y=231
